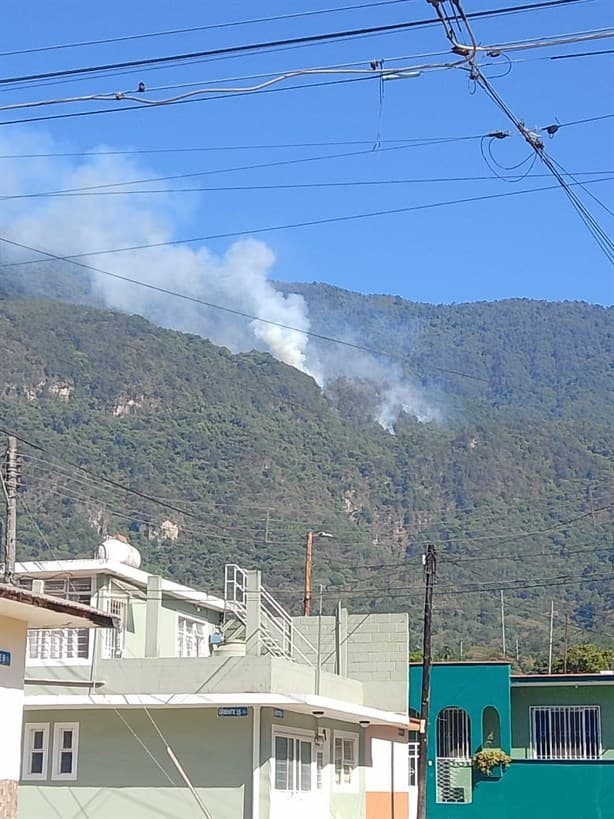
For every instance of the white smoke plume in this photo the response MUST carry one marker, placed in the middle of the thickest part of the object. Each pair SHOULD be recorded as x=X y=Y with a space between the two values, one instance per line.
x=238 y=279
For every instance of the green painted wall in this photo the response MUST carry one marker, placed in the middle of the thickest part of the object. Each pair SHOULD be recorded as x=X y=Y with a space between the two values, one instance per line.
x=525 y=696
x=528 y=789
x=117 y=778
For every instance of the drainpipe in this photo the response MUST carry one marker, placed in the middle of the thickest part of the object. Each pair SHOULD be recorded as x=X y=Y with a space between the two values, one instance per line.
x=256 y=762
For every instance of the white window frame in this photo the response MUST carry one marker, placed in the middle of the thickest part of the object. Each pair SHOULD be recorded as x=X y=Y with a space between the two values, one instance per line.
x=353 y=785
x=28 y=732
x=56 y=757
x=570 y=755
x=43 y=635
x=300 y=735
x=196 y=621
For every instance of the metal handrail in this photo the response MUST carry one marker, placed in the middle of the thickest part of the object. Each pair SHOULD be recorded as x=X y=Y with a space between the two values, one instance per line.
x=274 y=616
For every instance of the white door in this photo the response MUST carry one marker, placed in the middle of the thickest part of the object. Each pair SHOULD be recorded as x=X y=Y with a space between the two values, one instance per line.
x=295 y=777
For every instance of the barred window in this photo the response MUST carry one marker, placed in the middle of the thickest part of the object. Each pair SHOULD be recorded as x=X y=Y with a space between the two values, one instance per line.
x=65 y=643
x=192 y=638
x=566 y=732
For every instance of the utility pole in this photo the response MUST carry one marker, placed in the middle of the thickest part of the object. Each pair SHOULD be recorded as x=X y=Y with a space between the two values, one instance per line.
x=503 y=644
x=566 y=649
x=517 y=651
x=460 y=651
x=309 y=568
x=319 y=644
x=308 y=574
x=10 y=481
x=551 y=636
x=430 y=567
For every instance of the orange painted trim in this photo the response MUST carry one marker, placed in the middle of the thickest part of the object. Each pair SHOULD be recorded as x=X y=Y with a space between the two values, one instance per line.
x=386 y=805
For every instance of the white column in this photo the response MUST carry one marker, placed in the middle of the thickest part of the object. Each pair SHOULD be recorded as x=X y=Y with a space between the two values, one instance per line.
x=13 y=635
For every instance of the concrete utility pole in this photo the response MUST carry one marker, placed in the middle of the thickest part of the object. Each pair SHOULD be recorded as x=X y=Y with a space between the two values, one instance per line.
x=566 y=649
x=308 y=574
x=503 y=643
x=551 y=636
x=10 y=481
x=430 y=568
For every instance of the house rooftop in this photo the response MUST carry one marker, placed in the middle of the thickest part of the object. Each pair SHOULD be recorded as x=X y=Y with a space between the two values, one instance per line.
x=467 y=662
x=122 y=571
x=601 y=678
x=44 y=611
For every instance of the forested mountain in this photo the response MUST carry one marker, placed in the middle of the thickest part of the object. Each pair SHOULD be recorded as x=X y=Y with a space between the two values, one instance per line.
x=513 y=483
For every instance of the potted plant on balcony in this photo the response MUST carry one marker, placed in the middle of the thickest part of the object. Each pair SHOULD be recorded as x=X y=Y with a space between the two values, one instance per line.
x=491 y=761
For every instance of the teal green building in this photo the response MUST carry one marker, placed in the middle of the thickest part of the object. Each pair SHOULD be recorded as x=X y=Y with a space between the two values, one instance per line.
x=558 y=731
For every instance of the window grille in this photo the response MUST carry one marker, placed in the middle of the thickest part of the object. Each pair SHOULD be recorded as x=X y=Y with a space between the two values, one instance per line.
x=115 y=638
x=453 y=734
x=566 y=732
x=66 y=643
x=453 y=773
x=454 y=780
x=413 y=764
x=191 y=638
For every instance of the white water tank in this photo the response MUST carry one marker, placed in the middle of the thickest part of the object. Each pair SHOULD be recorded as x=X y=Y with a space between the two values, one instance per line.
x=118 y=550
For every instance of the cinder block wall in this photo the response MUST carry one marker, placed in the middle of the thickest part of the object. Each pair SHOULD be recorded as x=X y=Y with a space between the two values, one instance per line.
x=373 y=649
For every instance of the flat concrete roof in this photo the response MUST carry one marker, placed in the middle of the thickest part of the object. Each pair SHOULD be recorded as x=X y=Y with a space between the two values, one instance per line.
x=41 y=569
x=601 y=678
x=44 y=611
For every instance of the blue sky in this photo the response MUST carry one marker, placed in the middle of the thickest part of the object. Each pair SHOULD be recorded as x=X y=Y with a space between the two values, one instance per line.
x=530 y=246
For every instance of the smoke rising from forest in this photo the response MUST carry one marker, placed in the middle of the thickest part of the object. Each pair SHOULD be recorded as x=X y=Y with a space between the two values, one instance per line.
x=239 y=278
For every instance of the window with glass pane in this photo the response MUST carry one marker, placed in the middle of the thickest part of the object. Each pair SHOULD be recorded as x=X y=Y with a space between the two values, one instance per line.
x=36 y=743
x=345 y=760
x=293 y=764
x=305 y=766
x=66 y=643
x=320 y=770
x=65 y=749
x=191 y=638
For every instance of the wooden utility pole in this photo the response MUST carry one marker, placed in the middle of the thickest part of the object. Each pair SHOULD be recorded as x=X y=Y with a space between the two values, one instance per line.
x=10 y=480
x=551 y=637
x=430 y=567
x=308 y=574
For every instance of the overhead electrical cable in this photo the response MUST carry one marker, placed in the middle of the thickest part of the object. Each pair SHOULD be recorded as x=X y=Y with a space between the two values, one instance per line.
x=208 y=27
x=582 y=54
x=534 y=140
x=253 y=47
x=317 y=185
x=73 y=258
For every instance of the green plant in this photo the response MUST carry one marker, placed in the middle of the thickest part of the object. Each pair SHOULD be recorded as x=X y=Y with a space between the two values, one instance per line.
x=488 y=758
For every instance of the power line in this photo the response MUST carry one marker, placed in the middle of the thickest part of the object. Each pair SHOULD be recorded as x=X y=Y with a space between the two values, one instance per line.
x=208 y=27
x=253 y=47
x=583 y=54
x=311 y=185
x=469 y=51
x=72 y=258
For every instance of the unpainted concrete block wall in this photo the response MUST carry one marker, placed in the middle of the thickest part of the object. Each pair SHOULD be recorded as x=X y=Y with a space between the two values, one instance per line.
x=373 y=649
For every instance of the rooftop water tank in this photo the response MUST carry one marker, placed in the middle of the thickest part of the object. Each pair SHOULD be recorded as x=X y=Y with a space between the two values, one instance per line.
x=118 y=550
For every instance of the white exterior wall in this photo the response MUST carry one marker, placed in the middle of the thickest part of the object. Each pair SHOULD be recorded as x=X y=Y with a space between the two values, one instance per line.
x=12 y=639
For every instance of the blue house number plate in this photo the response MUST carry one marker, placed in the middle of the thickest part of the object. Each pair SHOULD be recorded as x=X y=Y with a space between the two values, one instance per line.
x=5 y=657
x=232 y=712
